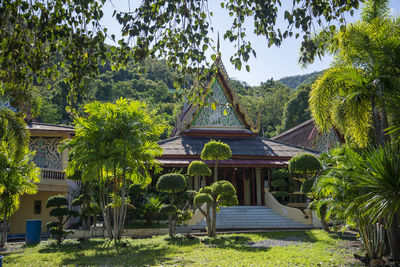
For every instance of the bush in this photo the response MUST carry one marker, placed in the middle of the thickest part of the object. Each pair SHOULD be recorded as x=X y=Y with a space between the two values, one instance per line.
x=307 y=186
x=171 y=183
x=199 y=168
x=169 y=209
x=279 y=184
x=303 y=163
x=216 y=150
x=62 y=213
x=281 y=174
x=281 y=194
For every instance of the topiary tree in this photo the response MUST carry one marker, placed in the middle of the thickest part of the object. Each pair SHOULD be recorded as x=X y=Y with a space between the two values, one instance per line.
x=220 y=193
x=216 y=150
x=281 y=184
x=304 y=165
x=199 y=168
x=172 y=184
x=60 y=210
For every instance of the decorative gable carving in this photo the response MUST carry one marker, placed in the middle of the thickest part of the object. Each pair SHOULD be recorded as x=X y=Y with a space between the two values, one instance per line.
x=217 y=112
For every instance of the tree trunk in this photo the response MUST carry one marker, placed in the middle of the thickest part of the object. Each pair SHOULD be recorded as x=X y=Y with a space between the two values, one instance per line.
x=3 y=232
x=324 y=223
x=86 y=206
x=170 y=224
x=376 y=121
x=394 y=238
x=214 y=218
x=216 y=171
x=171 y=234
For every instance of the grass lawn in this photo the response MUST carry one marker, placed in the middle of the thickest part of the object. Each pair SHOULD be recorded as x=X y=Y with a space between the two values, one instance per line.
x=306 y=248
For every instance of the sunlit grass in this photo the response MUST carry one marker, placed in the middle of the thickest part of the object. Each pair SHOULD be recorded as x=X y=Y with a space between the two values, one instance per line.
x=315 y=248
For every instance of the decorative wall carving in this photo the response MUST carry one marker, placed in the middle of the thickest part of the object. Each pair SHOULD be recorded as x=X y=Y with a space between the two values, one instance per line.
x=47 y=155
x=223 y=115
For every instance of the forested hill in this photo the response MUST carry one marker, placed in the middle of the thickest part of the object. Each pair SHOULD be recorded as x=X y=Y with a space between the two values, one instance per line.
x=281 y=107
x=295 y=81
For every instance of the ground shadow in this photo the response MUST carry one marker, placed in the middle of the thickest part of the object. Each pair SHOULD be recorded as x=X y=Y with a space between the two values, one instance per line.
x=103 y=252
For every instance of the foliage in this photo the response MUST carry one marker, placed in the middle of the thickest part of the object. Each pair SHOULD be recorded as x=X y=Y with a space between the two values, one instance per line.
x=198 y=168
x=171 y=183
x=378 y=177
x=354 y=95
x=169 y=209
x=296 y=109
x=18 y=174
x=113 y=147
x=220 y=193
x=188 y=41
x=340 y=193
x=216 y=150
x=268 y=100
x=307 y=186
x=60 y=210
x=298 y=81
x=281 y=183
x=88 y=205
x=304 y=163
x=151 y=207
x=35 y=33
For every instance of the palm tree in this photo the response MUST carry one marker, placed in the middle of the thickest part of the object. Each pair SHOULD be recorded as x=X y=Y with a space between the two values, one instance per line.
x=352 y=95
x=339 y=196
x=13 y=130
x=379 y=177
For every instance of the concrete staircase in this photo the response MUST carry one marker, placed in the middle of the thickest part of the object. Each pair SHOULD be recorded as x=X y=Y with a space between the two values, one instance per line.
x=251 y=218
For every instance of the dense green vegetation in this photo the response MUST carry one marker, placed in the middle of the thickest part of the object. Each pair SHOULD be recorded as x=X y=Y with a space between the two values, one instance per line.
x=280 y=107
x=296 y=81
x=315 y=248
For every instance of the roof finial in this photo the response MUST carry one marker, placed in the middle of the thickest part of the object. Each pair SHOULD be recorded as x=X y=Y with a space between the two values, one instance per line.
x=218 y=44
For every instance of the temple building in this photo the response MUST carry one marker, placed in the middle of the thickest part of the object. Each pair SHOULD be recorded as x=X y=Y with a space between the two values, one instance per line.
x=306 y=135
x=223 y=118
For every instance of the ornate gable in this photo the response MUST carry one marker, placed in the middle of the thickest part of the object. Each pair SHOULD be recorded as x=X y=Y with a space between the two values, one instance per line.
x=217 y=111
x=220 y=113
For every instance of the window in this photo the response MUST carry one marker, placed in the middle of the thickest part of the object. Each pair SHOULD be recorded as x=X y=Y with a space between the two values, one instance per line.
x=37 y=207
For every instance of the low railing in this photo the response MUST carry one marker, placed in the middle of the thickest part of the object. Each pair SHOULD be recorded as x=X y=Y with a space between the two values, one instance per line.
x=53 y=174
x=292 y=198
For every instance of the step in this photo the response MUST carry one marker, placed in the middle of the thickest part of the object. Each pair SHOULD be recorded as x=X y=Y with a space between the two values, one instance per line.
x=252 y=217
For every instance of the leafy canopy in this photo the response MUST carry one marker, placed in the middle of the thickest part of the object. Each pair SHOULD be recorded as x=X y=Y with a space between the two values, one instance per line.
x=198 y=168
x=171 y=183
x=216 y=150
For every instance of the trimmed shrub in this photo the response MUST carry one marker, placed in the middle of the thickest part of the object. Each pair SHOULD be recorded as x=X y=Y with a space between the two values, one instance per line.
x=198 y=168
x=304 y=163
x=216 y=150
x=307 y=186
x=169 y=209
x=171 y=183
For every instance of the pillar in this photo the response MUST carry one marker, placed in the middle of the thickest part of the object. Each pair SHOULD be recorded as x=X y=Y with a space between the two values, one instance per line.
x=258 y=186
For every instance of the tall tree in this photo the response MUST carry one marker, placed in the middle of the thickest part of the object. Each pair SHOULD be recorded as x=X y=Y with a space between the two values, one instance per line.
x=352 y=95
x=114 y=146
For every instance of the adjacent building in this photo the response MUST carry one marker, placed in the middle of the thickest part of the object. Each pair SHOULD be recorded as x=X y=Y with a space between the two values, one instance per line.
x=45 y=140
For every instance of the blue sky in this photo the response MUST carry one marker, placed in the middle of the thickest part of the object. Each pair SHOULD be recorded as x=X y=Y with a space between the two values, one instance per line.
x=273 y=62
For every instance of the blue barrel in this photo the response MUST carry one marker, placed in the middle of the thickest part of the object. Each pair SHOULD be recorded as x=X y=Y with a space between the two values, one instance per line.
x=33 y=231
x=1 y=261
